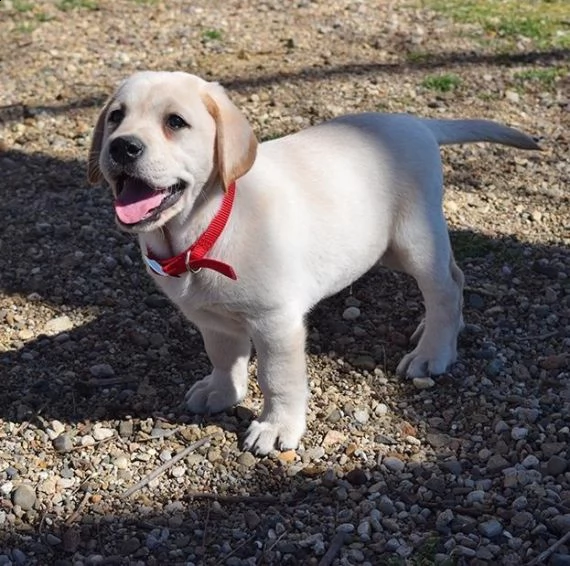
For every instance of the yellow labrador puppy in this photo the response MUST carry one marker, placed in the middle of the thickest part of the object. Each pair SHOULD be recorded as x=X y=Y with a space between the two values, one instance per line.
x=246 y=238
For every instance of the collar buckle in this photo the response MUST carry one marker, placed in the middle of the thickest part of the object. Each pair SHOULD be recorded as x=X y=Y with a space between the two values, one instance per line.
x=187 y=263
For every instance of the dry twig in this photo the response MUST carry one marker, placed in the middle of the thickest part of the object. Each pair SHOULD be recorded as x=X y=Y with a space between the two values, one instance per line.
x=161 y=469
x=550 y=550
x=336 y=544
x=75 y=515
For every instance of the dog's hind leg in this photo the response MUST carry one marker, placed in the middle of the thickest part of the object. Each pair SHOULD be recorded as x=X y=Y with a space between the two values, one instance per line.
x=423 y=250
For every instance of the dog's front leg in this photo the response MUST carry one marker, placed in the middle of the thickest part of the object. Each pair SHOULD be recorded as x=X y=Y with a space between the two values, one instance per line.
x=280 y=344
x=227 y=384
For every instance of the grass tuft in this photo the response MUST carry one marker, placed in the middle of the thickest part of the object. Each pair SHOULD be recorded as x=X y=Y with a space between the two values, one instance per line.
x=212 y=34
x=546 y=77
x=543 y=21
x=441 y=83
x=68 y=5
x=22 y=6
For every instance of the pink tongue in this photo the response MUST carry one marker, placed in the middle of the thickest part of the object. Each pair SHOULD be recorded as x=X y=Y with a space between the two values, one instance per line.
x=136 y=201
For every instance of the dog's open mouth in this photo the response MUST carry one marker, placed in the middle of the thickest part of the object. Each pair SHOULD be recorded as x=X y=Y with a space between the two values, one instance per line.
x=137 y=201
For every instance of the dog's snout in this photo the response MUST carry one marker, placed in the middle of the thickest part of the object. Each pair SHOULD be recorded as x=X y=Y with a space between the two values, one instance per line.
x=126 y=149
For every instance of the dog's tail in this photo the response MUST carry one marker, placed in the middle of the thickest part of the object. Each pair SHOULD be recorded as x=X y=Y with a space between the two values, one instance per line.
x=448 y=132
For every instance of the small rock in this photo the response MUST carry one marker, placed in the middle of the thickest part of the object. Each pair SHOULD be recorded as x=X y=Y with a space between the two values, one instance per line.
x=443 y=519
x=561 y=523
x=519 y=433
x=364 y=530
x=87 y=440
x=531 y=462
x=356 y=477
x=501 y=427
x=48 y=486
x=25 y=334
x=512 y=96
x=560 y=560
x=520 y=503
x=333 y=438
x=556 y=465
x=491 y=528
x=494 y=368
x=483 y=553
x=252 y=519
x=102 y=371
x=347 y=528
x=178 y=471
x=58 y=325
x=453 y=467
x=393 y=464
x=554 y=362
x=522 y=521
x=122 y=462
x=52 y=540
x=497 y=463
x=247 y=459
x=63 y=443
x=102 y=433
x=18 y=557
x=351 y=313
x=476 y=496
x=126 y=428
x=380 y=410
x=423 y=382
x=475 y=301
x=386 y=506
x=24 y=496
x=437 y=440
x=361 y=416
x=365 y=363
x=314 y=454
x=289 y=455
x=129 y=546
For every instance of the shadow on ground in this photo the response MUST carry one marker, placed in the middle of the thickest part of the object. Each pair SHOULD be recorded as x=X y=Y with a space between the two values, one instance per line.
x=81 y=267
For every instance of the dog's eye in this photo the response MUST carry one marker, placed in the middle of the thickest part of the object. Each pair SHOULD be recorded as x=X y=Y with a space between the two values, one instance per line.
x=116 y=116
x=175 y=122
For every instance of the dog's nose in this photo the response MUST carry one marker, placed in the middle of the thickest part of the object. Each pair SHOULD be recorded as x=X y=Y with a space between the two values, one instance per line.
x=126 y=149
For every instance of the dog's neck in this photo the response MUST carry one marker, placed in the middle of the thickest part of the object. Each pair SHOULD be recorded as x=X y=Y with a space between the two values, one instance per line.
x=181 y=231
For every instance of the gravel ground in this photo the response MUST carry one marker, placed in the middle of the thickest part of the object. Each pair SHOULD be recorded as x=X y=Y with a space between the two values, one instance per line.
x=472 y=468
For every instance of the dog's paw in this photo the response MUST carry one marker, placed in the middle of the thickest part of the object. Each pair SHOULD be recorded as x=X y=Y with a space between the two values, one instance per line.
x=419 y=363
x=213 y=394
x=263 y=436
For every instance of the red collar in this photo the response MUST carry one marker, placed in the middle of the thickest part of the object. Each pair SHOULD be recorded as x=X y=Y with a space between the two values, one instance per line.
x=192 y=259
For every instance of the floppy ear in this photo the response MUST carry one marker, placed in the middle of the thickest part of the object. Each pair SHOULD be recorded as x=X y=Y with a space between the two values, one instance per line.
x=93 y=172
x=236 y=144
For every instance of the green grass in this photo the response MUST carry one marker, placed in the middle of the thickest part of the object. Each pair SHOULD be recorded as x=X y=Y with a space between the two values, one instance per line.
x=543 y=21
x=212 y=34
x=546 y=77
x=26 y=27
x=42 y=17
x=67 y=5
x=441 y=83
x=418 y=57
x=22 y=6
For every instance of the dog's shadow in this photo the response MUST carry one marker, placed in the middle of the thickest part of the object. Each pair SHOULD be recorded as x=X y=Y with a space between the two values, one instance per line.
x=103 y=343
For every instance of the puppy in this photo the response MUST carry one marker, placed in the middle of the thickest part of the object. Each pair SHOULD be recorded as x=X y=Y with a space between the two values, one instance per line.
x=246 y=238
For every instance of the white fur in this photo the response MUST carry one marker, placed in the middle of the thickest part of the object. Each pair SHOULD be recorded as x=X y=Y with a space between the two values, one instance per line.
x=315 y=211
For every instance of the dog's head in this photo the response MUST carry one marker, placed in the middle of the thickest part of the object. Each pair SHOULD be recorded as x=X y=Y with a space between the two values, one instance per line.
x=160 y=139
